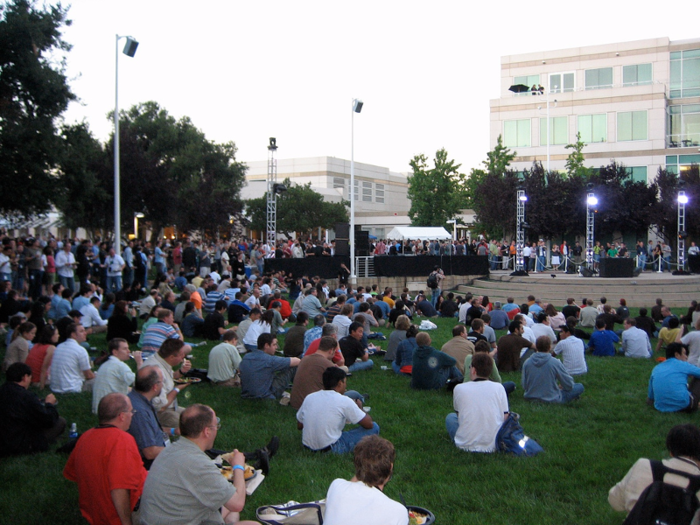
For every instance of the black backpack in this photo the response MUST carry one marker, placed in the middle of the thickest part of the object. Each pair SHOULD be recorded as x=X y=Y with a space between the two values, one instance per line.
x=432 y=281
x=665 y=504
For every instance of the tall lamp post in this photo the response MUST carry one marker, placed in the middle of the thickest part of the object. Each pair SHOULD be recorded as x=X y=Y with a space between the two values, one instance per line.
x=520 y=231
x=591 y=203
x=129 y=50
x=356 y=108
x=682 y=232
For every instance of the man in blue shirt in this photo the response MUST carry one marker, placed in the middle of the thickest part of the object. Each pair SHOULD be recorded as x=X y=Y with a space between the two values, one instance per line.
x=147 y=431
x=602 y=342
x=265 y=375
x=668 y=385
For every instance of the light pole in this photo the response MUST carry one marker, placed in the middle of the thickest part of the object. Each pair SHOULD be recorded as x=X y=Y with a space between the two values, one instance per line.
x=682 y=233
x=520 y=231
x=591 y=203
x=129 y=50
x=356 y=108
x=137 y=216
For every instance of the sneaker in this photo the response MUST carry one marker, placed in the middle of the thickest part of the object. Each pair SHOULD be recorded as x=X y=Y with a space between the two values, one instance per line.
x=263 y=462
x=285 y=399
x=272 y=447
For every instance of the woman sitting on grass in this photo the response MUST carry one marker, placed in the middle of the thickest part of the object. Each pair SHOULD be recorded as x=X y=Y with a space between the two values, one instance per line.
x=403 y=364
x=396 y=337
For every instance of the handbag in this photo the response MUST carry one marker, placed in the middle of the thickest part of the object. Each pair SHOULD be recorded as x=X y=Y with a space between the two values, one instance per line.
x=511 y=438
x=292 y=513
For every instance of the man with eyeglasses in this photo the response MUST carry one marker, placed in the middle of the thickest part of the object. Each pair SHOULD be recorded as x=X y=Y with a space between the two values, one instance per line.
x=107 y=466
x=184 y=486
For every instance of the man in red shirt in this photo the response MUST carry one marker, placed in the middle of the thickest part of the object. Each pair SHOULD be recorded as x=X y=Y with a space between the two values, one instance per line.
x=107 y=466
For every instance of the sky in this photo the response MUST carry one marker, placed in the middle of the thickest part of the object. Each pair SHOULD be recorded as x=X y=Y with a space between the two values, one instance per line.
x=244 y=71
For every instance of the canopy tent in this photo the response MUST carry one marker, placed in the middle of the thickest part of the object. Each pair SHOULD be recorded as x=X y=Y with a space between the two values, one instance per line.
x=418 y=232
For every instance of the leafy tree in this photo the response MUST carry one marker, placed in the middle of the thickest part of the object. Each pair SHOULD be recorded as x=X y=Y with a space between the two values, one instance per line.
x=494 y=204
x=437 y=194
x=498 y=160
x=575 y=160
x=33 y=94
x=496 y=163
x=299 y=209
x=666 y=209
x=86 y=181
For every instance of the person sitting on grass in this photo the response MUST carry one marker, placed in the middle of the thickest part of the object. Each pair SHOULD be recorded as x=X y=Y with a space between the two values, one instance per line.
x=572 y=351
x=481 y=407
x=545 y=378
x=355 y=354
x=602 y=342
x=323 y=415
x=362 y=499
x=224 y=361
x=432 y=369
x=668 y=335
x=403 y=362
x=668 y=384
x=483 y=346
x=265 y=375
x=683 y=444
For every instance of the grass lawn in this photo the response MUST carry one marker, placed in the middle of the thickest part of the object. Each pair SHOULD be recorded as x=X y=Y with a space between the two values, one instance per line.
x=589 y=446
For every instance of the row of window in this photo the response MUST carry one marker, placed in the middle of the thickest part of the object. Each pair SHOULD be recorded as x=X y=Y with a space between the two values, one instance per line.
x=600 y=78
x=631 y=125
x=365 y=191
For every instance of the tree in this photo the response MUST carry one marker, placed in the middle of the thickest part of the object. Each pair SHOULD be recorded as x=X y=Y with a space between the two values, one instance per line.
x=498 y=160
x=437 y=194
x=299 y=209
x=666 y=209
x=496 y=163
x=33 y=93
x=86 y=181
x=574 y=162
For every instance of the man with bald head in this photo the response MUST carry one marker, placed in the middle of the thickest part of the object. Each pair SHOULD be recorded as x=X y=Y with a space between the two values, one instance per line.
x=173 y=495
x=107 y=466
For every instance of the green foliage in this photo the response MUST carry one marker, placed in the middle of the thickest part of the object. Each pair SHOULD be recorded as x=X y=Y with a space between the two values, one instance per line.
x=498 y=160
x=33 y=93
x=666 y=210
x=437 y=194
x=575 y=160
x=299 y=209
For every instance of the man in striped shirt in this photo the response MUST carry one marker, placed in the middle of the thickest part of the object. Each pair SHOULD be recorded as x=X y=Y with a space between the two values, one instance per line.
x=158 y=332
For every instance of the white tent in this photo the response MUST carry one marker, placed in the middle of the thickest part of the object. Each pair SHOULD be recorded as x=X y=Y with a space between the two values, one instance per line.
x=418 y=232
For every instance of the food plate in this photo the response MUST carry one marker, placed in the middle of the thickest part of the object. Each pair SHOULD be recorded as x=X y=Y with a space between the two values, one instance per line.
x=185 y=380
x=249 y=473
x=419 y=516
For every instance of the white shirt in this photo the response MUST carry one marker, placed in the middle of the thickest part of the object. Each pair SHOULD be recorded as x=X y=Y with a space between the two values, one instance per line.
x=324 y=415
x=635 y=343
x=350 y=503
x=67 y=366
x=64 y=262
x=113 y=376
x=91 y=317
x=343 y=323
x=480 y=407
x=692 y=339
x=114 y=265
x=526 y=251
x=542 y=329
x=572 y=352
x=254 y=330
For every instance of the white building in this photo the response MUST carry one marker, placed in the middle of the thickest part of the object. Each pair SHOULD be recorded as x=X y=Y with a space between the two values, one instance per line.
x=637 y=103
x=381 y=197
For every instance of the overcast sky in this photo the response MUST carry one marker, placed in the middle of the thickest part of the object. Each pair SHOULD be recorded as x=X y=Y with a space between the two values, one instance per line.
x=246 y=71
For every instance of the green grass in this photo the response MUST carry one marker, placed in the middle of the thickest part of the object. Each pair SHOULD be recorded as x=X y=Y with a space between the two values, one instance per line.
x=589 y=446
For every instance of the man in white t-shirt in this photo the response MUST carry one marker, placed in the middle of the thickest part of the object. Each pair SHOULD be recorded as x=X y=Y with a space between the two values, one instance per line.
x=70 y=366
x=115 y=265
x=692 y=339
x=324 y=414
x=362 y=500
x=481 y=407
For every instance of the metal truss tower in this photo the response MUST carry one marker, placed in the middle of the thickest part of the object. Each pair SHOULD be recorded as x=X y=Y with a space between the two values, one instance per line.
x=271 y=237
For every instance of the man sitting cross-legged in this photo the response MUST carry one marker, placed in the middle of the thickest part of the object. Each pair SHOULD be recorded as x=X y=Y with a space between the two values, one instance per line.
x=668 y=385
x=542 y=375
x=432 y=369
x=323 y=415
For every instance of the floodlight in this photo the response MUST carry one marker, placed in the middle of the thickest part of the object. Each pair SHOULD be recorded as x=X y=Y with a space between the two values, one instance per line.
x=130 y=46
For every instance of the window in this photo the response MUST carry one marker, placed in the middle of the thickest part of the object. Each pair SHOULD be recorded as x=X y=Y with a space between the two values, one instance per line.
x=593 y=128
x=685 y=73
x=339 y=182
x=599 y=78
x=356 y=191
x=527 y=80
x=676 y=163
x=379 y=195
x=558 y=132
x=562 y=82
x=516 y=133
x=684 y=126
x=632 y=125
x=639 y=173
x=636 y=75
x=366 y=192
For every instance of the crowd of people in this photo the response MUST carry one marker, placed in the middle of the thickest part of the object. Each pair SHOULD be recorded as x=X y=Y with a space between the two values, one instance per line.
x=141 y=456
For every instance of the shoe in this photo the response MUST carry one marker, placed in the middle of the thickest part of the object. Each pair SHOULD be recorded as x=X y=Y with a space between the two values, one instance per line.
x=272 y=447
x=263 y=462
x=285 y=399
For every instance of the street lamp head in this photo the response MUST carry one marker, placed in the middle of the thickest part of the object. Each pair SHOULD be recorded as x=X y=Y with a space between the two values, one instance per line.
x=682 y=198
x=523 y=198
x=592 y=200
x=357 y=105
x=130 y=46
x=273 y=144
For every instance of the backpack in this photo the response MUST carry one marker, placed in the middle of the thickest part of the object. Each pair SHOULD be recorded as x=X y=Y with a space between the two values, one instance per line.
x=432 y=281
x=511 y=438
x=665 y=504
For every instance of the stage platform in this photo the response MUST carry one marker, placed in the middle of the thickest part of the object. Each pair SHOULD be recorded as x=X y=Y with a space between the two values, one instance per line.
x=675 y=290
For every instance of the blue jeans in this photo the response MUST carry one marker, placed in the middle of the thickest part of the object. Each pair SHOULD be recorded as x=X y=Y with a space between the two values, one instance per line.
x=35 y=278
x=114 y=284
x=396 y=368
x=452 y=424
x=667 y=263
x=572 y=394
x=434 y=297
x=350 y=438
x=360 y=365
x=67 y=282
x=641 y=263
x=541 y=261
x=509 y=387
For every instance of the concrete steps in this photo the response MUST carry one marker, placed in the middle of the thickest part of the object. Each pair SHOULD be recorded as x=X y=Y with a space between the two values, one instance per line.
x=676 y=291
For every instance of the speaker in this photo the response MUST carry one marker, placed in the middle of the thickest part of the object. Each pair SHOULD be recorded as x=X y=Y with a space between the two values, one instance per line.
x=342 y=230
x=342 y=247
x=586 y=272
x=361 y=243
x=616 y=267
x=637 y=271
x=130 y=47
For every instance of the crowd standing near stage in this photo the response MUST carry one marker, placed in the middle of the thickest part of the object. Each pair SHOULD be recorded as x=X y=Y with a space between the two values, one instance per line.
x=149 y=299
